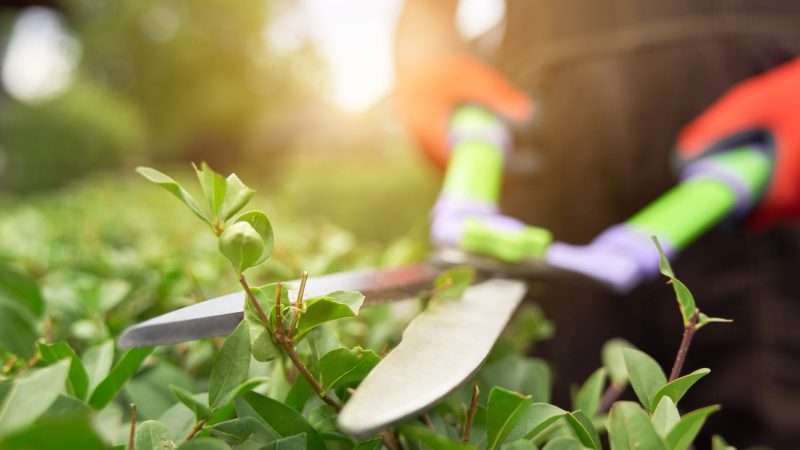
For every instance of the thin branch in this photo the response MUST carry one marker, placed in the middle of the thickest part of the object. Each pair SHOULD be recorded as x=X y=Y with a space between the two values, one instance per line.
x=688 y=333
x=278 y=313
x=280 y=336
x=427 y=419
x=9 y=364
x=473 y=407
x=31 y=362
x=254 y=302
x=298 y=305
x=132 y=434
x=611 y=394
x=390 y=440
x=198 y=427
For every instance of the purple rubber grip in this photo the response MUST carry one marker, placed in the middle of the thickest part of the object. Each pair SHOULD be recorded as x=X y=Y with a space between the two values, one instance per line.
x=621 y=257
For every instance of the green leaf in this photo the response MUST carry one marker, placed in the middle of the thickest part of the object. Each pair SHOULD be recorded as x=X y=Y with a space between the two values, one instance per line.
x=174 y=188
x=584 y=430
x=629 y=428
x=119 y=375
x=236 y=197
x=373 y=444
x=242 y=389
x=78 y=378
x=676 y=388
x=25 y=399
x=323 y=418
x=718 y=443
x=535 y=420
x=431 y=440
x=73 y=431
x=451 y=284
x=261 y=343
x=260 y=222
x=503 y=411
x=204 y=443
x=682 y=294
x=665 y=416
x=283 y=419
x=152 y=435
x=529 y=376
x=242 y=245
x=645 y=375
x=18 y=331
x=522 y=444
x=20 y=288
x=563 y=443
x=198 y=407
x=246 y=427
x=98 y=361
x=703 y=320
x=231 y=366
x=299 y=394
x=213 y=185
x=149 y=390
x=334 y=306
x=346 y=367
x=296 y=442
x=528 y=327
x=588 y=397
x=683 y=433
x=614 y=361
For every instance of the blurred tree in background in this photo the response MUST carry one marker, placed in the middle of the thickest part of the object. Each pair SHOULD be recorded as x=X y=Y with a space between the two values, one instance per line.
x=161 y=80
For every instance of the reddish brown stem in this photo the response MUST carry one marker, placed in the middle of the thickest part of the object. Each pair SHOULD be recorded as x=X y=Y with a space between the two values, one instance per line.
x=31 y=362
x=611 y=394
x=198 y=427
x=298 y=305
x=390 y=440
x=427 y=419
x=688 y=333
x=285 y=341
x=254 y=302
x=132 y=434
x=473 y=407
x=282 y=339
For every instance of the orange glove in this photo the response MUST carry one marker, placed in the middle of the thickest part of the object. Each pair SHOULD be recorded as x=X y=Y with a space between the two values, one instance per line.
x=427 y=94
x=766 y=108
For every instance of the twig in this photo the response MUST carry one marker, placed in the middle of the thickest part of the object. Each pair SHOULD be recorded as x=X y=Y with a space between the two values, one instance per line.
x=427 y=419
x=280 y=336
x=259 y=311
x=390 y=440
x=133 y=427
x=49 y=330
x=686 y=341
x=298 y=305
x=198 y=426
x=473 y=407
x=9 y=364
x=31 y=362
x=611 y=394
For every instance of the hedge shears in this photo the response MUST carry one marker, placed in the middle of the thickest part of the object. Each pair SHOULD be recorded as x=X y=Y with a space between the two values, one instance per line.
x=467 y=228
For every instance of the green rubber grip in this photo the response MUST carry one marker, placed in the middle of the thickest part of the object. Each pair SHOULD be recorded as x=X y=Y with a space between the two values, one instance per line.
x=690 y=209
x=509 y=246
x=475 y=169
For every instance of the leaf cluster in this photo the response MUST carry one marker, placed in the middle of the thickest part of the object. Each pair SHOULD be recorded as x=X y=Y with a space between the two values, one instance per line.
x=278 y=380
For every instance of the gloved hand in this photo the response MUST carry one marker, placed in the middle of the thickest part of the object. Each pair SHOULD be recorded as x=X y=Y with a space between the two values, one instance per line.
x=768 y=106
x=428 y=92
x=467 y=215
